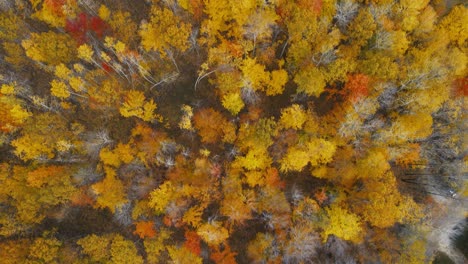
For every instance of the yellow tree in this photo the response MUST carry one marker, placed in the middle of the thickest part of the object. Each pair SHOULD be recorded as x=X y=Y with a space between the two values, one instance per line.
x=111 y=247
x=343 y=224
x=35 y=191
x=292 y=117
x=110 y=191
x=135 y=104
x=310 y=80
x=13 y=115
x=45 y=250
x=50 y=47
x=317 y=151
x=213 y=233
x=382 y=205
x=165 y=31
x=41 y=135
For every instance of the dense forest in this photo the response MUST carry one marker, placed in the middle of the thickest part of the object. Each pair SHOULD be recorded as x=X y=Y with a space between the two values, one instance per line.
x=247 y=131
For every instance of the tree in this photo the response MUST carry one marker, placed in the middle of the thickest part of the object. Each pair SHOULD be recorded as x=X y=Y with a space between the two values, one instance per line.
x=12 y=112
x=135 y=104
x=233 y=103
x=357 y=86
x=45 y=250
x=155 y=246
x=456 y=24
x=161 y=197
x=213 y=233
x=124 y=251
x=223 y=256
x=50 y=47
x=96 y=247
x=35 y=192
x=382 y=205
x=212 y=126
x=311 y=81
x=343 y=224
x=292 y=117
x=317 y=151
x=261 y=248
x=110 y=247
x=40 y=136
x=53 y=12
x=183 y=255
x=145 y=229
x=164 y=32
x=110 y=191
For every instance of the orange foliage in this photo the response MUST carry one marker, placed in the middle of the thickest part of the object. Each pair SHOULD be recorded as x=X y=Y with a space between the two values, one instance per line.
x=41 y=176
x=145 y=229
x=357 y=86
x=410 y=156
x=461 y=87
x=213 y=126
x=223 y=255
x=192 y=242
x=272 y=179
x=82 y=198
x=315 y=6
x=321 y=195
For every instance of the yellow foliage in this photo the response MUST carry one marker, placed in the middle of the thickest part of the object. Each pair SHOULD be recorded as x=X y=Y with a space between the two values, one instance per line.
x=40 y=135
x=15 y=54
x=154 y=247
x=85 y=52
x=13 y=115
x=96 y=247
x=256 y=158
x=7 y=89
x=164 y=31
x=186 y=120
x=62 y=71
x=411 y=127
x=59 y=89
x=193 y=216
x=104 y=12
x=374 y=165
x=183 y=256
x=213 y=233
x=125 y=152
x=11 y=26
x=110 y=191
x=123 y=251
x=136 y=105
x=384 y=205
x=161 y=197
x=400 y=43
x=124 y=28
x=233 y=103
x=310 y=81
x=278 y=80
x=343 y=224
x=45 y=249
x=293 y=117
x=317 y=151
x=294 y=160
x=109 y=157
x=456 y=24
x=14 y=251
x=50 y=47
x=76 y=83
x=254 y=74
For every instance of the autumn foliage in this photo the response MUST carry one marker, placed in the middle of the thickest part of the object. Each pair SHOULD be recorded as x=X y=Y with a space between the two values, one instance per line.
x=218 y=131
